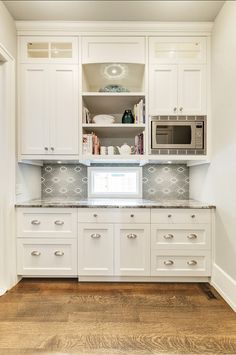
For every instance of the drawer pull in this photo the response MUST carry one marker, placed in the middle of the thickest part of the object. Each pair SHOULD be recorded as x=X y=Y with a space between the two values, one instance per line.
x=193 y=216
x=95 y=235
x=169 y=262
x=59 y=223
x=169 y=215
x=35 y=253
x=95 y=215
x=131 y=236
x=192 y=236
x=168 y=236
x=132 y=215
x=35 y=222
x=59 y=253
x=192 y=262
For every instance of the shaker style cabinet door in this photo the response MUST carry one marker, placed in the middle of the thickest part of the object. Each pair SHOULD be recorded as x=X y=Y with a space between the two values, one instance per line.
x=132 y=250
x=163 y=90
x=95 y=249
x=64 y=110
x=34 y=109
x=192 y=89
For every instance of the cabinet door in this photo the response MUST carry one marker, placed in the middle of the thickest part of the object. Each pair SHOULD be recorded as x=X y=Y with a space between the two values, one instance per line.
x=132 y=250
x=163 y=90
x=34 y=109
x=64 y=110
x=192 y=89
x=95 y=249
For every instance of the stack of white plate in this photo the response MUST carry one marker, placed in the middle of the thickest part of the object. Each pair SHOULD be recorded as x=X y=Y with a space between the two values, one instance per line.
x=103 y=119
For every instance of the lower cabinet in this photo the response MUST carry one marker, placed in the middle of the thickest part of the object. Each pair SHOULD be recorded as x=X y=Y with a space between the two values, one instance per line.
x=37 y=257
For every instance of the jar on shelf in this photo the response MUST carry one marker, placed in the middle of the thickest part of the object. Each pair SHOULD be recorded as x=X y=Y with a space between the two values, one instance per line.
x=127 y=117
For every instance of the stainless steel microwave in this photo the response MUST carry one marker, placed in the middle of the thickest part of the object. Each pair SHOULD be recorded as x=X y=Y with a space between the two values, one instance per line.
x=178 y=135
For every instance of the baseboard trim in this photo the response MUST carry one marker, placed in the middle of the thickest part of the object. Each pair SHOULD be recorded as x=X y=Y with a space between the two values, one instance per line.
x=225 y=285
x=2 y=291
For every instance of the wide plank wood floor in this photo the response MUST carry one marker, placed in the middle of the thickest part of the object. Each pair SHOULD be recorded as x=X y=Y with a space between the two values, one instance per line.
x=66 y=317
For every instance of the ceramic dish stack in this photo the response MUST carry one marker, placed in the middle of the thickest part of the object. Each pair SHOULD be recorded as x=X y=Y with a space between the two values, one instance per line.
x=103 y=119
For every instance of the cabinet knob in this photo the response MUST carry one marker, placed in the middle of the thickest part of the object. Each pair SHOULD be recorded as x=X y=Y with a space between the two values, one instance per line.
x=95 y=215
x=59 y=223
x=35 y=222
x=168 y=262
x=181 y=109
x=59 y=253
x=95 y=235
x=52 y=148
x=169 y=215
x=175 y=109
x=192 y=236
x=35 y=253
x=168 y=236
x=193 y=215
x=45 y=148
x=131 y=236
x=132 y=215
x=192 y=262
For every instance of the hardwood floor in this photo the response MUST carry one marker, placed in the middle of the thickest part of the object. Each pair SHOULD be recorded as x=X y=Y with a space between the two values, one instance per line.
x=65 y=317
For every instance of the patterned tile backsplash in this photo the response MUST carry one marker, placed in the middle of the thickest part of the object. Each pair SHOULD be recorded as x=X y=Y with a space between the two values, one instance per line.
x=169 y=182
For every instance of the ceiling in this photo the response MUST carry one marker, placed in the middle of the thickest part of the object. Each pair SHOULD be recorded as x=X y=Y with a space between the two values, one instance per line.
x=111 y=10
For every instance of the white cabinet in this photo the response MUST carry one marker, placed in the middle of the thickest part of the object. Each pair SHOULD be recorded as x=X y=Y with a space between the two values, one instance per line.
x=177 y=89
x=96 y=249
x=49 y=110
x=113 y=49
x=132 y=250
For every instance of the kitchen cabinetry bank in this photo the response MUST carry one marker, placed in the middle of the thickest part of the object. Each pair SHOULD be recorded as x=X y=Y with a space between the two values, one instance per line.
x=142 y=243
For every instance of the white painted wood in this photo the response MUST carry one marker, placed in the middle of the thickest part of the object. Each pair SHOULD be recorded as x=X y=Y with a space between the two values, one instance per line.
x=163 y=89
x=46 y=222
x=34 y=109
x=192 y=86
x=49 y=54
x=181 y=236
x=64 y=109
x=114 y=215
x=175 y=215
x=46 y=262
x=96 y=249
x=175 y=50
x=178 y=263
x=144 y=279
x=113 y=49
x=132 y=249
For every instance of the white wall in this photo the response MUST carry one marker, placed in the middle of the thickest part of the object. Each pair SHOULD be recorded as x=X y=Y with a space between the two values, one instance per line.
x=28 y=179
x=7 y=30
x=217 y=182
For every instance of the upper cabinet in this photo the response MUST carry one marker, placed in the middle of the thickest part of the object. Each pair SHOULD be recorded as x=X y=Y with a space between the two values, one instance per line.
x=48 y=49
x=113 y=49
x=170 y=50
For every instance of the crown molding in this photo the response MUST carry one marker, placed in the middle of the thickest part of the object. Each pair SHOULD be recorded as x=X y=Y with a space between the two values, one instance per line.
x=113 y=27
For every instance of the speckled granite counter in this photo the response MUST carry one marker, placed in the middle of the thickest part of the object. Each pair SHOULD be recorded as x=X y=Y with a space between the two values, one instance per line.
x=116 y=203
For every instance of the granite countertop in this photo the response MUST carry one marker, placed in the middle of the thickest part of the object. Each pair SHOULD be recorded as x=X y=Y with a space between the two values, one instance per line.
x=116 y=203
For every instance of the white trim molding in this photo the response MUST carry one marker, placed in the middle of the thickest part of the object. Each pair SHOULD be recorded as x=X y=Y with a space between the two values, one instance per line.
x=61 y=28
x=225 y=285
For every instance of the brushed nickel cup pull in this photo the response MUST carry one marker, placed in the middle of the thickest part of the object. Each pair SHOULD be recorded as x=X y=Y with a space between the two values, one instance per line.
x=175 y=109
x=59 y=223
x=95 y=235
x=59 y=253
x=181 y=109
x=131 y=236
x=169 y=262
x=168 y=236
x=35 y=253
x=95 y=215
x=192 y=236
x=192 y=262
x=45 y=148
x=52 y=148
x=35 y=222
x=169 y=215
x=132 y=215
x=193 y=215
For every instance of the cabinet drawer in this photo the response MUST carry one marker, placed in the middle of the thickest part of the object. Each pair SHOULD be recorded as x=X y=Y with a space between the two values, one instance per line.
x=46 y=257
x=181 y=236
x=172 y=215
x=180 y=263
x=41 y=222
x=114 y=215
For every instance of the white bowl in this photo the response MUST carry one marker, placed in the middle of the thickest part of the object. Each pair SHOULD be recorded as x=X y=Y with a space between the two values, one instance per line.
x=103 y=119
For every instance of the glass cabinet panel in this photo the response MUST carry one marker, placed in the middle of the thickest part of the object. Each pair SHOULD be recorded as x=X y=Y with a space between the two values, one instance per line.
x=38 y=50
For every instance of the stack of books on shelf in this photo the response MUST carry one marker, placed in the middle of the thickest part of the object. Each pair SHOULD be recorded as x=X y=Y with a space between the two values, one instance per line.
x=139 y=144
x=91 y=144
x=139 y=112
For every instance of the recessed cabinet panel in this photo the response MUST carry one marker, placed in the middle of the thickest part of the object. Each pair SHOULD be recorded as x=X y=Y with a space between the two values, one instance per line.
x=64 y=121
x=113 y=49
x=173 y=215
x=95 y=249
x=132 y=250
x=163 y=89
x=34 y=109
x=192 y=89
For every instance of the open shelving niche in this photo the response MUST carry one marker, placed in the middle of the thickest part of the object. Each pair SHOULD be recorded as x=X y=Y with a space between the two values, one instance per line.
x=113 y=103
